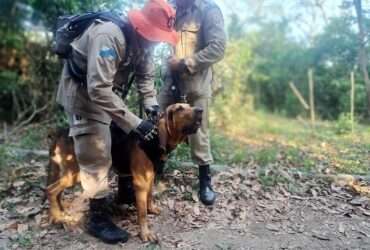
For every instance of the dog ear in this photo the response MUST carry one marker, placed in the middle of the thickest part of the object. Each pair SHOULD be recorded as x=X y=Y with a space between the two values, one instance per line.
x=163 y=135
x=170 y=121
x=165 y=128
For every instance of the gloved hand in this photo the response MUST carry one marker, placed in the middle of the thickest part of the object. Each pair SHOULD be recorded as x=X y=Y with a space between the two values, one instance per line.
x=176 y=65
x=147 y=132
x=152 y=113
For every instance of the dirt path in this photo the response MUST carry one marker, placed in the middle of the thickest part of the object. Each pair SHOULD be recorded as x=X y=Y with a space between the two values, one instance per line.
x=246 y=216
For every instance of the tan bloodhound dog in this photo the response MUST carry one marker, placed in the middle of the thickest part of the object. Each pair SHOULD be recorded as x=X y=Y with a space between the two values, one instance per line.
x=128 y=157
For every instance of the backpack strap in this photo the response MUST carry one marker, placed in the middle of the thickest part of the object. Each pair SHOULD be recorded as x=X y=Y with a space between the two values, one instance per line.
x=76 y=72
x=80 y=74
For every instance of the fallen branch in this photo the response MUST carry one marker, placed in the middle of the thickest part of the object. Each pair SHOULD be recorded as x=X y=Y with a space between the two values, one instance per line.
x=29 y=119
x=299 y=96
x=25 y=152
x=357 y=183
x=5 y=132
x=339 y=179
x=346 y=179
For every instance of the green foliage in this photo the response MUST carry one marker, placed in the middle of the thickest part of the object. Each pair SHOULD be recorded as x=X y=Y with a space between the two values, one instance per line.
x=235 y=29
x=273 y=141
x=8 y=85
x=259 y=65
x=56 y=8
x=24 y=240
x=4 y=157
x=8 y=80
x=33 y=139
x=277 y=60
x=8 y=157
x=61 y=120
x=28 y=70
x=266 y=155
x=181 y=154
x=257 y=68
x=151 y=246
x=225 y=150
x=233 y=72
x=269 y=177
x=343 y=124
x=11 y=38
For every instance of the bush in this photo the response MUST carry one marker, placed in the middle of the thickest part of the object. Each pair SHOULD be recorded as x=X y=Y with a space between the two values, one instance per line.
x=4 y=157
x=343 y=124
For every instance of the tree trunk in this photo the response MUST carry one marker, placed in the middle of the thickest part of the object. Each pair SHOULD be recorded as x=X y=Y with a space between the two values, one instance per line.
x=311 y=96
x=352 y=100
x=362 y=50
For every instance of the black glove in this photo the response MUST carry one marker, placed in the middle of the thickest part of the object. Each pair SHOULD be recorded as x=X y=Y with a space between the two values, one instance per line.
x=147 y=132
x=177 y=66
x=152 y=113
x=182 y=68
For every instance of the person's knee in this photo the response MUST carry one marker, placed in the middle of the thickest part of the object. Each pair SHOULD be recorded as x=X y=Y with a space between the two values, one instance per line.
x=92 y=149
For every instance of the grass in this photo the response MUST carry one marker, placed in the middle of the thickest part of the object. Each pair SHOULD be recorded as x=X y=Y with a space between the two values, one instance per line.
x=5 y=157
x=31 y=138
x=266 y=155
x=24 y=241
x=269 y=178
x=271 y=138
x=225 y=151
x=259 y=137
x=151 y=246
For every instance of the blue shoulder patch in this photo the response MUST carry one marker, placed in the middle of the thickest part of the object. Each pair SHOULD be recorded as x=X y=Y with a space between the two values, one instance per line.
x=108 y=52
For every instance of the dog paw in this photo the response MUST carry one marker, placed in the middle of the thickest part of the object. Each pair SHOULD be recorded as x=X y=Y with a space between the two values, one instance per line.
x=63 y=218
x=147 y=235
x=56 y=218
x=154 y=210
x=70 y=220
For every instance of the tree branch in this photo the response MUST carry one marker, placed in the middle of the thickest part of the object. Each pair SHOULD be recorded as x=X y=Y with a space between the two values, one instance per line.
x=29 y=119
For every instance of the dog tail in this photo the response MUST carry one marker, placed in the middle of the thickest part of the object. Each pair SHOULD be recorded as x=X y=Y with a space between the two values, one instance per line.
x=53 y=169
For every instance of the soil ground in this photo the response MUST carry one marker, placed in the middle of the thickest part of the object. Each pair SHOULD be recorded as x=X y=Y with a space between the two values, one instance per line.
x=247 y=215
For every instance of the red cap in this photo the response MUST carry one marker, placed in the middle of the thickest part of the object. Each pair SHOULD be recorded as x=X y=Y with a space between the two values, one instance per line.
x=155 y=22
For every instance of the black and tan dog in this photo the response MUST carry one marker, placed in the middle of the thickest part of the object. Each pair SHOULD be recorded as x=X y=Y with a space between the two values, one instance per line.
x=128 y=157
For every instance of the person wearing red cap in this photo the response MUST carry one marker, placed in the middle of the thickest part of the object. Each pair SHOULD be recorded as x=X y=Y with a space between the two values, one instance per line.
x=189 y=76
x=108 y=56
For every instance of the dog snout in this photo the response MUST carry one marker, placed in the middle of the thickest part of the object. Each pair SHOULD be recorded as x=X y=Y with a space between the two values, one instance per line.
x=198 y=111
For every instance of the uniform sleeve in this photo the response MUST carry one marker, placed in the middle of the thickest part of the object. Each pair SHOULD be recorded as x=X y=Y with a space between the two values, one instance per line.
x=214 y=39
x=104 y=56
x=145 y=74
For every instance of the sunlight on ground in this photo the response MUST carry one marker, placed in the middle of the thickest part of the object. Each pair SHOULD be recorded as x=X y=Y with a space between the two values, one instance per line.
x=271 y=134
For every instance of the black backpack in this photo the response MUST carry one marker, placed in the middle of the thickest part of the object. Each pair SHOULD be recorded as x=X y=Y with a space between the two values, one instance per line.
x=70 y=27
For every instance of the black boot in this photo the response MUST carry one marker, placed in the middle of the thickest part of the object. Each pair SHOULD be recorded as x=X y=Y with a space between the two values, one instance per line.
x=206 y=193
x=126 y=192
x=99 y=223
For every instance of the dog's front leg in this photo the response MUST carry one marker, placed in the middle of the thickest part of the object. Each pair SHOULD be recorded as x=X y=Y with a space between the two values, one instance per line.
x=56 y=214
x=142 y=189
x=152 y=208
